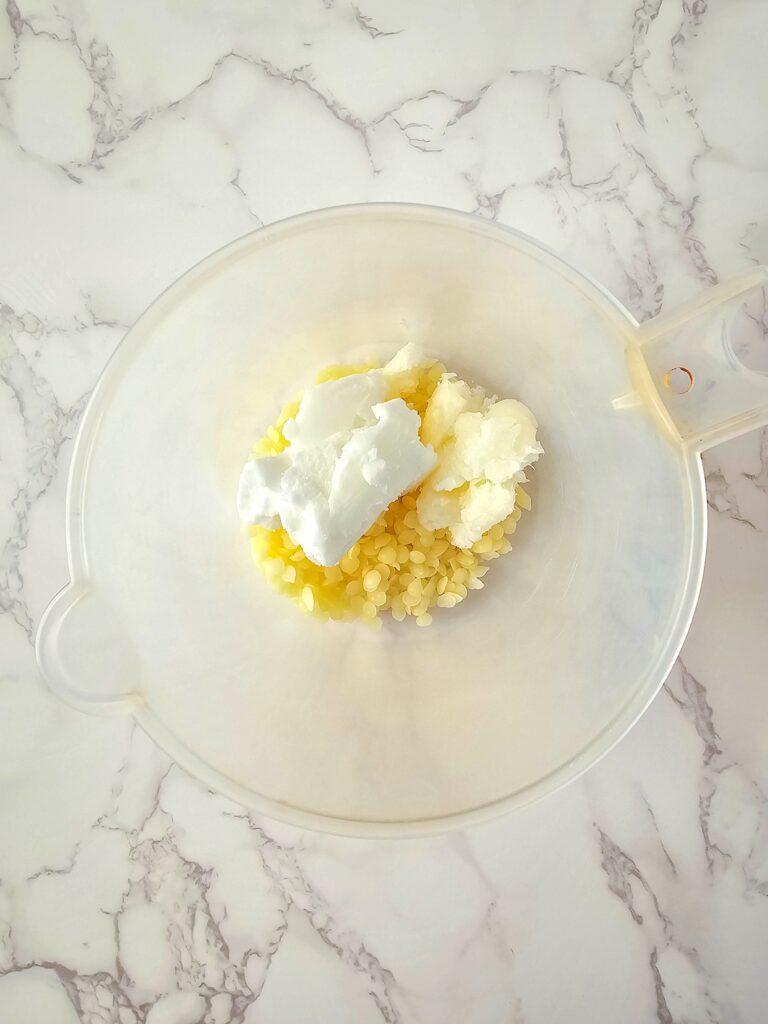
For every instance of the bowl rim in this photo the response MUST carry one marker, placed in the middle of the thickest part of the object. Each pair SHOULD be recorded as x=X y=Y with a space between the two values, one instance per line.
x=77 y=559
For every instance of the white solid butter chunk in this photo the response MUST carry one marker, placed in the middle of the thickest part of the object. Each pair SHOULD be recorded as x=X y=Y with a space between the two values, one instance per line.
x=483 y=504
x=256 y=493
x=358 y=497
x=495 y=445
x=437 y=510
x=449 y=400
x=373 y=468
x=468 y=512
x=335 y=406
x=350 y=455
x=483 y=448
x=407 y=358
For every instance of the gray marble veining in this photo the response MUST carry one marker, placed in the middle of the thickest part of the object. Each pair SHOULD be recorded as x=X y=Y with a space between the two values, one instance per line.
x=134 y=139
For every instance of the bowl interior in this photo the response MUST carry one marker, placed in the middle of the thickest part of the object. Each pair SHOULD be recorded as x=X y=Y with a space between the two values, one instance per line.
x=504 y=697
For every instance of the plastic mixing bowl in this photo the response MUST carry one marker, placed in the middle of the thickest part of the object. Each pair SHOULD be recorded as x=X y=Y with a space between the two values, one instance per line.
x=406 y=730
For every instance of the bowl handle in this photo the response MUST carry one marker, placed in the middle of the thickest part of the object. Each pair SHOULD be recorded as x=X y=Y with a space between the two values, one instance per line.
x=84 y=654
x=688 y=364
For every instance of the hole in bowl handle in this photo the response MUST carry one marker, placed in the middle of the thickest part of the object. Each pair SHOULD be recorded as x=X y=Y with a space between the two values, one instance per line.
x=689 y=364
x=84 y=655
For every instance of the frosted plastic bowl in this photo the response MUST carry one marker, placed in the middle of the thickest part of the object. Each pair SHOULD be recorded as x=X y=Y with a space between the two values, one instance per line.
x=406 y=730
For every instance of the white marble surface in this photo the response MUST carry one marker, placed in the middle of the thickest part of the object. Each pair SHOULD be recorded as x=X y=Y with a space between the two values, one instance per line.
x=135 y=138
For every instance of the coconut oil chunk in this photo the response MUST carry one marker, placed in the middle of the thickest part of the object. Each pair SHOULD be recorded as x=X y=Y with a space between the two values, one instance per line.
x=351 y=454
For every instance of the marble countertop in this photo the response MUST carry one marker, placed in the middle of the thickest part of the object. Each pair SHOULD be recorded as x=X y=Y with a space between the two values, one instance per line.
x=136 y=138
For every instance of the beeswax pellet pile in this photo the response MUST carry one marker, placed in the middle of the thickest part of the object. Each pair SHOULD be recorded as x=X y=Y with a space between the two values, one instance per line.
x=397 y=566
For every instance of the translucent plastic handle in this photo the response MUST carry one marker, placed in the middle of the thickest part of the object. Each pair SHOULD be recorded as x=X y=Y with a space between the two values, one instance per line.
x=689 y=365
x=84 y=654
